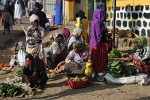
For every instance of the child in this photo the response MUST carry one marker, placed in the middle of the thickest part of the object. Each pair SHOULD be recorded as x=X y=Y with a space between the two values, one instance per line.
x=7 y=19
x=46 y=51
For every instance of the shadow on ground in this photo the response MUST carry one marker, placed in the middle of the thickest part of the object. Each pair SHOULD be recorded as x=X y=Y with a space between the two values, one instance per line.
x=7 y=39
x=68 y=92
x=143 y=98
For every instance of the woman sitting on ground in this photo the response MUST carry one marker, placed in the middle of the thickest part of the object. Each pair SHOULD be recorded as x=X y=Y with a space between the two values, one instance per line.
x=57 y=51
x=34 y=72
x=75 y=61
x=76 y=35
x=141 y=57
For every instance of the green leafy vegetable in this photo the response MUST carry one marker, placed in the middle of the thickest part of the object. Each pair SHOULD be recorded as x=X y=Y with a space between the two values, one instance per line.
x=124 y=55
x=114 y=53
x=7 y=90
x=20 y=73
x=119 y=69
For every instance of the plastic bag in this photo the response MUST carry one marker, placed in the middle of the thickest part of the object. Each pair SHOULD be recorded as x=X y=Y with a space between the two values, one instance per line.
x=21 y=58
x=13 y=61
x=125 y=80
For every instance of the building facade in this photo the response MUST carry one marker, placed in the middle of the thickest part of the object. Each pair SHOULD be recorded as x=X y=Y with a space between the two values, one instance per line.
x=130 y=14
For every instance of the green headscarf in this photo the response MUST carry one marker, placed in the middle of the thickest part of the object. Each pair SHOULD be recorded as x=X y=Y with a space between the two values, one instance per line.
x=143 y=41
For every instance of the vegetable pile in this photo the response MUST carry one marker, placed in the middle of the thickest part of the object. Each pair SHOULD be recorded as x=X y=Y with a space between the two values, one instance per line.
x=114 y=53
x=7 y=90
x=2 y=65
x=124 y=55
x=19 y=73
x=119 y=69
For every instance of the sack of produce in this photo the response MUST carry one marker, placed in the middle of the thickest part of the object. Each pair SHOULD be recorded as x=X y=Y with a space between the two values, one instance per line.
x=125 y=80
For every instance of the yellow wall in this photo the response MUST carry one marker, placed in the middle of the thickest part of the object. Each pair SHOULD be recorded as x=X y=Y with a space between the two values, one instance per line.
x=121 y=3
x=141 y=2
x=124 y=2
x=70 y=10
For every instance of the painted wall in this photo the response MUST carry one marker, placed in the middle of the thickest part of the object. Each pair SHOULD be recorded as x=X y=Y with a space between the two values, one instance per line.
x=123 y=3
x=131 y=15
x=136 y=18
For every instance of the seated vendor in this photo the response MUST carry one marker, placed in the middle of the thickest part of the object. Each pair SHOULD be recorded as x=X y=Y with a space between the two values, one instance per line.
x=141 y=58
x=34 y=72
x=57 y=51
x=75 y=61
x=19 y=55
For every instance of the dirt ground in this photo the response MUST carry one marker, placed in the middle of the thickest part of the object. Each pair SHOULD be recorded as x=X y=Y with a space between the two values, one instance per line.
x=58 y=89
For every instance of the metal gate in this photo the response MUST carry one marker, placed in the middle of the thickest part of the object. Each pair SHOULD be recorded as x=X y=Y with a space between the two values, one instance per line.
x=49 y=7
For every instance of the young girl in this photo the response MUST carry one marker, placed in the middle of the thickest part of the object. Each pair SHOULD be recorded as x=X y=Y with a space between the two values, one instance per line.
x=7 y=19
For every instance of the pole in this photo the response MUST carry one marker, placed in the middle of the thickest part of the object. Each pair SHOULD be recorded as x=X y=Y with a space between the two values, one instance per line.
x=64 y=16
x=114 y=21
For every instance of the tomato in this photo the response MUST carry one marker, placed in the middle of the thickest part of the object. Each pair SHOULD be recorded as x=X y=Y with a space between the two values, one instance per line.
x=6 y=65
x=2 y=65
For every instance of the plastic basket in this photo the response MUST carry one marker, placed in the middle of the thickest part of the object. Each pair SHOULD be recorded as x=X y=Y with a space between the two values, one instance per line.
x=78 y=84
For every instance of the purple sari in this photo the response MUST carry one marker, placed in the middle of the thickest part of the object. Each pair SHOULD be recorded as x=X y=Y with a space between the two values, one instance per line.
x=97 y=27
x=98 y=47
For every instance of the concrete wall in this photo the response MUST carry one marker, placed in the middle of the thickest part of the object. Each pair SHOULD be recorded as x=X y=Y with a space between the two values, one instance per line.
x=135 y=18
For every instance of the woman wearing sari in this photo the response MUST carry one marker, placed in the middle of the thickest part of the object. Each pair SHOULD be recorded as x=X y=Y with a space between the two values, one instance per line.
x=75 y=61
x=18 y=12
x=141 y=56
x=98 y=43
x=34 y=72
x=58 y=12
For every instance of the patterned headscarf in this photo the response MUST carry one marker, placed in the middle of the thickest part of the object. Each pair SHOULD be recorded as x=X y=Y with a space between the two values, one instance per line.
x=21 y=45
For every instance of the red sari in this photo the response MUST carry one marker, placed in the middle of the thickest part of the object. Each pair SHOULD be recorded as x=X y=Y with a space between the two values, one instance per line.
x=99 y=56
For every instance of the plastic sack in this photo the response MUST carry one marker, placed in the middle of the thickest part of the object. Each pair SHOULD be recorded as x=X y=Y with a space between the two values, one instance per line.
x=21 y=58
x=125 y=80
x=13 y=61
